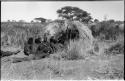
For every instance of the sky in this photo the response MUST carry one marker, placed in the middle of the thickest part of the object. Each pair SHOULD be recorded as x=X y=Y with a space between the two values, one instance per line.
x=47 y=9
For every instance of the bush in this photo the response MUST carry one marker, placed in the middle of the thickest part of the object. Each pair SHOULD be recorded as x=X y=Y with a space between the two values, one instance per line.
x=117 y=48
x=107 y=30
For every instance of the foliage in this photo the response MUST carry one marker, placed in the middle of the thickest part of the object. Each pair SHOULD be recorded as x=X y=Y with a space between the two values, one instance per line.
x=107 y=30
x=42 y=20
x=74 y=13
x=96 y=20
x=117 y=48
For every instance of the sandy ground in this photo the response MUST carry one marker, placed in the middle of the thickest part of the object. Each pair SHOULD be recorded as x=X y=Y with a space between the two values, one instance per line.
x=94 y=67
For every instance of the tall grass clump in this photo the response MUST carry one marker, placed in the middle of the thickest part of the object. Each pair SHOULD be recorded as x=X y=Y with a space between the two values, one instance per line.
x=75 y=51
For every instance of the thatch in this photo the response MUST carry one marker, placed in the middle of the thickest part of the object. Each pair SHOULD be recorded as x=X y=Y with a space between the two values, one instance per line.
x=64 y=31
x=58 y=35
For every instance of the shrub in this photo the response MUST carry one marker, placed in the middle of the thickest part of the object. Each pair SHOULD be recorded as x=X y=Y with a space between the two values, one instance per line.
x=117 y=48
x=107 y=30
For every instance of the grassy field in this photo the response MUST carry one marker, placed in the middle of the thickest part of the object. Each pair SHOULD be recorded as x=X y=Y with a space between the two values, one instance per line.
x=96 y=63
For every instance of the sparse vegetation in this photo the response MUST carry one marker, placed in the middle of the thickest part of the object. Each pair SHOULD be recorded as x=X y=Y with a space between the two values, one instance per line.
x=117 y=48
x=79 y=52
x=107 y=30
x=16 y=33
x=74 y=52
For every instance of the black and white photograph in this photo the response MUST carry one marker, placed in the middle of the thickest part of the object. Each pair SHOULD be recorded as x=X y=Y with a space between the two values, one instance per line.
x=62 y=40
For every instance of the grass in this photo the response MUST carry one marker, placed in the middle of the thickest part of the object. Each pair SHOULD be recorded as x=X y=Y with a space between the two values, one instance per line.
x=52 y=69
x=74 y=51
x=74 y=63
x=55 y=67
x=15 y=33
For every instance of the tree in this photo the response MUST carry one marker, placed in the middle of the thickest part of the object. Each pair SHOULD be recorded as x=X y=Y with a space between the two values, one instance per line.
x=96 y=21
x=42 y=20
x=111 y=21
x=22 y=21
x=74 y=13
x=8 y=21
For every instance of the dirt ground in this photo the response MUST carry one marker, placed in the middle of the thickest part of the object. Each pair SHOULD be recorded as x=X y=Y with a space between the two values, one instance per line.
x=51 y=68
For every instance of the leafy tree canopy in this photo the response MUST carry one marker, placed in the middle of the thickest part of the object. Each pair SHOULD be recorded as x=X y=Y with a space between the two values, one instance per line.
x=74 y=13
x=41 y=19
